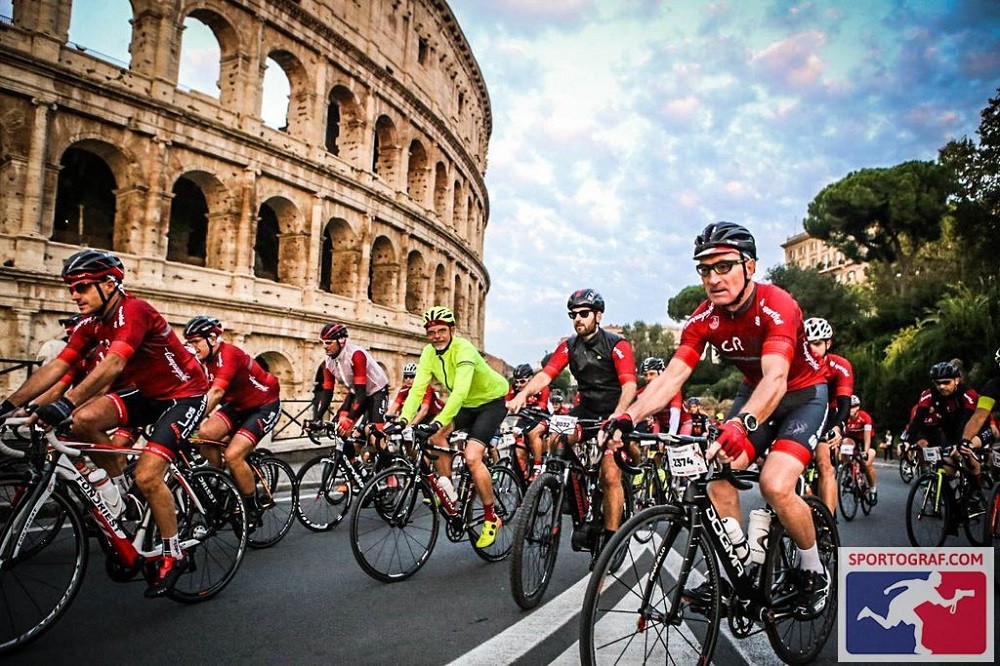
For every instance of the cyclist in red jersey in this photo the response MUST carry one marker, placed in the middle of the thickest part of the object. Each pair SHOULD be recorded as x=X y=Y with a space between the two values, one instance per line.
x=699 y=419
x=859 y=430
x=137 y=349
x=779 y=408
x=981 y=429
x=840 y=387
x=604 y=367
x=673 y=419
x=558 y=403
x=535 y=435
x=248 y=401
x=429 y=407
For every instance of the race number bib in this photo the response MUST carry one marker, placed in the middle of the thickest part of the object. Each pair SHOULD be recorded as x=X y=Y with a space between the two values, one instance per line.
x=562 y=424
x=407 y=434
x=847 y=449
x=508 y=439
x=932 y=454
x=686 y=460
x=996 y=457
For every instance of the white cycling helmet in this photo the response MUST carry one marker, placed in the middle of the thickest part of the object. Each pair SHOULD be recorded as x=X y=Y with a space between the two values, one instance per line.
x=410 y=370
x=818 y=329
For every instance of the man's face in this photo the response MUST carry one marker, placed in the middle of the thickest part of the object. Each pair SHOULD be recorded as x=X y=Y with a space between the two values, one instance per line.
x=819 y=348
x=694 y=407
x=201 y=348
x=650 y=375
x=439 y=335
x=407 y=381
x=333 y=347
x=585 y=320
x=946 y=386
x=723 y=288
x=87 y=295
x=854 y=410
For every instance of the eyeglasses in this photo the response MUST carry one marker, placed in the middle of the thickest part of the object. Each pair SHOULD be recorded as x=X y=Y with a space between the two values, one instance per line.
x=582 y=314
x=943 y=382
x=719 y=267
x=80 y=287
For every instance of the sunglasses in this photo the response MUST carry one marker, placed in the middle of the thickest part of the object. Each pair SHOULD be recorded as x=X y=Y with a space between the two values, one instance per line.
x=944 y=382
x=719 y=267
x=582 y=314
x=80 y=287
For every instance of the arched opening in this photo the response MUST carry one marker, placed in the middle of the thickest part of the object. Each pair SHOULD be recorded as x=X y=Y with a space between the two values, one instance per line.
x=284 y=93
x=85 y=200
x=279 y=366
x=459 y=304
x=440 y=189
x=188 y=229
x=343 y=119
x=457 y=216
x=416 y=172
x=265 y=249
x=384 y=149
x=382 y=273
x=201 y=55
x=440 y=286
x=415 y=282
x=108 y=38
x=339 y=259
x=280 y=245
x=470 y=220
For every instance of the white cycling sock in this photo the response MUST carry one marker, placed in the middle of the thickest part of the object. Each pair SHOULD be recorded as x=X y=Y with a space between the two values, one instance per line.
x=172 y=547
x=810 y=560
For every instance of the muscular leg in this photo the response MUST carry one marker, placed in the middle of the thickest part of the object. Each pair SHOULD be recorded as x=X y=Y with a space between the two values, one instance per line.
x=442 y=465
x=474 y=451
x=870 y=468
x=91 y=423
x=827 y=477
x=149 y=473
x=614 y=495
x=777 y=485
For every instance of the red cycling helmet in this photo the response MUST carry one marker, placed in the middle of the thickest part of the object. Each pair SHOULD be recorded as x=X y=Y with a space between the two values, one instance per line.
x=333 y=331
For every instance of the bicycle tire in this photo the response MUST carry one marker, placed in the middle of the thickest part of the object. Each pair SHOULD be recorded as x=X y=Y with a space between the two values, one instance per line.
x=219 y=534
x=537 y=533
x=974 y=514
x=394 y=529
x=928 y=516
x=625 y=607
x=13 y=486
x=847 y=497
x=907 y=467
x=325 y=494
x=797 y=639
x=507 y=497
x=40 y=584
x=278 y=491
x=991 y=530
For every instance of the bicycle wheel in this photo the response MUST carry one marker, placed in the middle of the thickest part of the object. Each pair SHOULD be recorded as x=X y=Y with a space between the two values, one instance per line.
x=847 y=497
x=626 y=611
x=38 y=585
x=13 y=487
x=907 y=466
x=213 y=536
x=537 y=532
x=974 y=510
x=991 y=530
x=325 y=494
x=928 y=512
x=507 y=495
x=796 y=638
x=394 y=528
x=278 y=494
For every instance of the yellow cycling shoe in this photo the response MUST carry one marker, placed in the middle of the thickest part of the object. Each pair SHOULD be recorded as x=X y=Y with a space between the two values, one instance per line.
x=489 y=533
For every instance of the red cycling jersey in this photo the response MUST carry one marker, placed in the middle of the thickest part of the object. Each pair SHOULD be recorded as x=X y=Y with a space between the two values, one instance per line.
x=770 y=323
x=945 y=413
x=858 y=424
x=840 y=377
x=538 y=401
x=246 y=384
x=157 y=364
x=431 y=399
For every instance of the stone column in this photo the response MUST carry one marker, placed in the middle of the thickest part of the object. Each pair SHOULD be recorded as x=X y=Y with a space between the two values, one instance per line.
x=31 y=244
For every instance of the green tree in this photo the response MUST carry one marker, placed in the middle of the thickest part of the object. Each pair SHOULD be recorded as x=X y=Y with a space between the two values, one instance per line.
x=649 y=340
x=685 y=302
x=820 y=295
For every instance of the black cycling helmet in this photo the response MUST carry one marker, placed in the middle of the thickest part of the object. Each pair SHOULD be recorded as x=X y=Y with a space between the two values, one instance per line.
x=333 y=331
x=70 y=322
x=202 y=326
x=694 y=400
x=93 y=266
x=556 y=396
x=523 y=371
x=653 y=363
x=585 y=298
x=945 y=370
x=723 y=237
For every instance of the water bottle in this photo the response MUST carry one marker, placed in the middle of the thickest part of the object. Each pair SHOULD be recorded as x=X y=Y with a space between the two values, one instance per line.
x=447 y=493
x=738 y=539
x=109 y=491
x=757 y=531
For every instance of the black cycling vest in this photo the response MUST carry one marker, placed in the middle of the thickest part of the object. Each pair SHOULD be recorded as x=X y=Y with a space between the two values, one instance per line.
x=593 y=368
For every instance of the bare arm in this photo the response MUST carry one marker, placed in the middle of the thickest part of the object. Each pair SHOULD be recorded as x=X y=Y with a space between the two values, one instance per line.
x=41 y=380
x=975 y=423
x=98 y=380
x=215 y=395
x=534 y=385
x=660 y=391
x=626 y=398
x=771 y=389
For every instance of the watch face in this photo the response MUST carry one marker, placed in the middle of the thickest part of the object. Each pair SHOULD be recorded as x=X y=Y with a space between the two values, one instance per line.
x=750 y=422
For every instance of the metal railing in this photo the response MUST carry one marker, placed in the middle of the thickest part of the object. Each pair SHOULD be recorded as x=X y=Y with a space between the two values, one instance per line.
x=19 y=363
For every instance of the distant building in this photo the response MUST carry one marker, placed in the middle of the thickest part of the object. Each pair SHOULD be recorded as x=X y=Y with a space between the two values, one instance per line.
x=804 y=251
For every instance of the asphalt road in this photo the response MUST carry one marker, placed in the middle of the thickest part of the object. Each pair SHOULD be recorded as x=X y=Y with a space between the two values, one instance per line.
x=307 y=601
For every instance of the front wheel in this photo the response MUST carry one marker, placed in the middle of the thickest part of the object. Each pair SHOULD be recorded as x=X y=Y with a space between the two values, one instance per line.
x=991 y=530
x=507 y=496
x=907 y=466
x=847 y=496
x=976 y=503
x=537 y=532
x=795 y=636
x=652 y=600
x=277 y=494
x=928 y=511
x=325 y=493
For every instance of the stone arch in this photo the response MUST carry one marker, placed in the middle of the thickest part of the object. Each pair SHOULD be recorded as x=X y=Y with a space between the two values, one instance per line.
x=230 y=66
x=440 y=285
x=87 y=188
x=416 y=172
x=458 y=198
x=470 y=219
x=384 y=150
x=382 y=273
x=344 y=122
x=458 y=294
x=339 y=259
x=470 y=307
x=108 y=39
x=187 y=232
x=297 y=111
x=440 y=189
x=279 y=243
x=415 y=282
x=278 y=365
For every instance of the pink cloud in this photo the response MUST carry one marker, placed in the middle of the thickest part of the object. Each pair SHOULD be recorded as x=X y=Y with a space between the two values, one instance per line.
x=793 y=62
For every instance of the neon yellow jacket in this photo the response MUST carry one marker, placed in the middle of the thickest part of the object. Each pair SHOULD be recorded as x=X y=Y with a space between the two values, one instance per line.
x=461 y=369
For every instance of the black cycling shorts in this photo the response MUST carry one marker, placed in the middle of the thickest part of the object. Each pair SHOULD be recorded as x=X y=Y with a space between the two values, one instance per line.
x=172 y=420
x=482 y=422
x=254 y=424
x=795 y=425
x=590 y=432
x=372 y=407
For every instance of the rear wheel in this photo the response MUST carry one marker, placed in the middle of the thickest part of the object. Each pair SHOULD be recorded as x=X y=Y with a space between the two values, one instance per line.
x=847 y=496
x=277 y=494
x=928 y=511
x=991 y=530
x=537 y=532
x=907 y=466
x=507 y=495
x=325 y=494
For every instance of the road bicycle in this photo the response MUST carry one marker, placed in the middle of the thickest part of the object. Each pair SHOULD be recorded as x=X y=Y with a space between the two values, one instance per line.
x=639 y=608
x=991 y=524
x=567 y=485
x=276 y=488
x=46 y=515
x=852 y=483
x=329 y=481
x=947 y=496
x=397 y=516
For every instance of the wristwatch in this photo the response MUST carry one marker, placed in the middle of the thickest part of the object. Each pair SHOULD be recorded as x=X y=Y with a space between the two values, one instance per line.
x=749 y=421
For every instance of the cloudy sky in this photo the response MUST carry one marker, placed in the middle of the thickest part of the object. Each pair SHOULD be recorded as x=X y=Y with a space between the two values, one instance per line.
x=622 y=127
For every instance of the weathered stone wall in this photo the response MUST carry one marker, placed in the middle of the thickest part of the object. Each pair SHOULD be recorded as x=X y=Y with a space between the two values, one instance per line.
x=406 y=224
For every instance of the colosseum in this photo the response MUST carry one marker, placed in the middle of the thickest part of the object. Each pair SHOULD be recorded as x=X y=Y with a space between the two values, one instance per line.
x=366 y=205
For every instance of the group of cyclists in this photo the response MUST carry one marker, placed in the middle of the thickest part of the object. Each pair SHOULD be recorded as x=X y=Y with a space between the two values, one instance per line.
x=123 y=368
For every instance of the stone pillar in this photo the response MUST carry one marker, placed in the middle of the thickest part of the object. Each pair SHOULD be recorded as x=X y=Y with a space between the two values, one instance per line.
x=292 y=254
x=31 y=219
x=48 y=20
x=313 y=249
x=246 y=232
x=155 y=48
